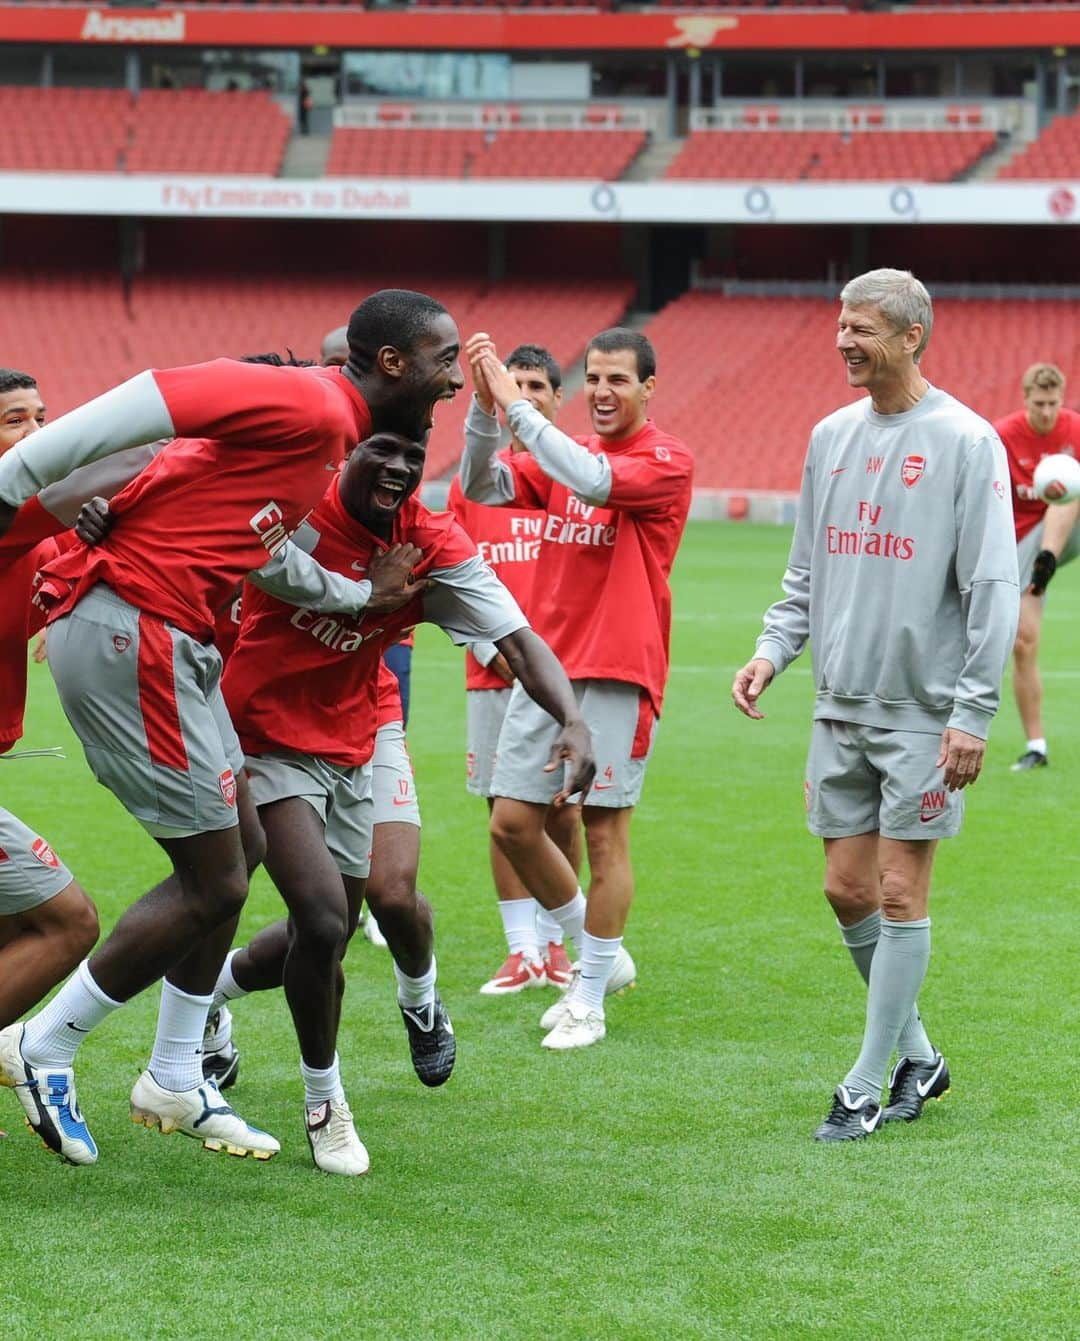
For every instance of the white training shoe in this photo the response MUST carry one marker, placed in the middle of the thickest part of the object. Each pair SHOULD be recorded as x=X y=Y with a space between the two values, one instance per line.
x=623 y=977
x=201 y=1113
x=335 y=1146
x=47 y=1095
x=579 y=1027
x=372 y=932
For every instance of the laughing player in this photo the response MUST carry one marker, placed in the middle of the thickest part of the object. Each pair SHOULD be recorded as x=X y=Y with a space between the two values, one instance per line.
x=303 y=693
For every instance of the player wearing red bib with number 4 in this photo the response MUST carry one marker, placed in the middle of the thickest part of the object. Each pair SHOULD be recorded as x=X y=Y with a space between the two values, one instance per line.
x=1047 y=538
x=616 y=505
x=130 y=648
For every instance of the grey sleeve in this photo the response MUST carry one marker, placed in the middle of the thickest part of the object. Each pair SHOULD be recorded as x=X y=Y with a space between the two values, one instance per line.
x=471 y=605
x=787 y=623
x=294 y=577
x=484 y=479
x=561 y=458
x=987 y=576
x=127 y=416
x=100 y=479
x=484 y=652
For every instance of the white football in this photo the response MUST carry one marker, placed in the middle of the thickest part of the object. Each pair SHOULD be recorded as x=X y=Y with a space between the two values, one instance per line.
x=1057 y=479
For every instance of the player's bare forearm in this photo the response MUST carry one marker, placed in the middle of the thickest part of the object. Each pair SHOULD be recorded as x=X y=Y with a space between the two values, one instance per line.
x=544 y=680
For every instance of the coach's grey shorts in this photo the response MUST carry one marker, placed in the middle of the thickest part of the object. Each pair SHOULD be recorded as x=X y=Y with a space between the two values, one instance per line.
x=623 y=727
x=864 y=778
x=30 y=871
x=1028 y=548
x=485 y=710
x=395 y=788
x=340 y=795
x=145 y=700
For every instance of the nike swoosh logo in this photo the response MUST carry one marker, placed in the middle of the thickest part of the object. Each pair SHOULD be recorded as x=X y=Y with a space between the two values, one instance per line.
x=403 y=800
x=425 y=1025
x=602 y=786
x=929 y=819
x=359 y=566
x=78 y=1028
x=838 y=471
x=924 y=1090
x=870 y=1124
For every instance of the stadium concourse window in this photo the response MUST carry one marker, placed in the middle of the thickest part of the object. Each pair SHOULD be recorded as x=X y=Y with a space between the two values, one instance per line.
x=276 y=72
x=426 y=74
x=89 y=67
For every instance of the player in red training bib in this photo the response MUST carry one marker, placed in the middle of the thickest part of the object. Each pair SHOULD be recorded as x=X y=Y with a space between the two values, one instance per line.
x=303 y=692
x=47 y=922
x=129 y=647
x=616 y=504
x=509 y=539
x=1047 y=538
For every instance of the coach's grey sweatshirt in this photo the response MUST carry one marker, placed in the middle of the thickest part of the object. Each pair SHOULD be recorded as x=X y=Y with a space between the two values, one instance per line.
x=902 y=570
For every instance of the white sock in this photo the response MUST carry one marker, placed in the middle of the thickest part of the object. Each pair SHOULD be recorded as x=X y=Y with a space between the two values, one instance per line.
x=227 y=988
x=53 y=1036
x=176 y=1062
x=571 y=917
x=597 y=961
x=1039 y=745
x=319 y=1086
x=222 y=1035
x=415 y=991
x=519 y=923
x=548 y=931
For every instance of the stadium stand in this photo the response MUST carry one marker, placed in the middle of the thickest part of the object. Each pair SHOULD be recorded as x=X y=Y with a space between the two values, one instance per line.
x=105 y=130
x=63 y=129
x=408 y=153
x=778 y=155
x=191 y=130
x=1055 y=154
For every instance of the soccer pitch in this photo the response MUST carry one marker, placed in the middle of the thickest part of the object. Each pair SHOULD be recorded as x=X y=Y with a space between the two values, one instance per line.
x=662 y=1183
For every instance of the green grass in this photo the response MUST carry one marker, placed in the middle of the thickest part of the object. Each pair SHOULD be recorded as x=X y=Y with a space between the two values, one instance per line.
x=664 y=1183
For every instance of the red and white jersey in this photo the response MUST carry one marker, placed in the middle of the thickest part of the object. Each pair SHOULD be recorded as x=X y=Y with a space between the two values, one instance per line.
x=388 y=706
x=299 y=680
x=30 y=542
x=209 y=510
x=601 y=596
x=1025 y=449
x=509 y=540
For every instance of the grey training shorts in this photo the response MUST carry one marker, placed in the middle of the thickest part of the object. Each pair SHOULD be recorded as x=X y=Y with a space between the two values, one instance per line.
x=623 y=727
x=395 y=788
x=485 y=710
x=145 y=700
x=340 y=795
x=864 y=778
x=30 y=871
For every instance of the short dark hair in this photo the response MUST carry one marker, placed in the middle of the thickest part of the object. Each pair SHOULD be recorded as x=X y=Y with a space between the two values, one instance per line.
x=536 y=356
x=276 y=361
x=398 y=317
x=13 y=380
x=620 y=337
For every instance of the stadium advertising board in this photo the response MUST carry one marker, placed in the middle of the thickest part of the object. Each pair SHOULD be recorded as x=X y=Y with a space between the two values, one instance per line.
x=502 y=31
x=558 y=201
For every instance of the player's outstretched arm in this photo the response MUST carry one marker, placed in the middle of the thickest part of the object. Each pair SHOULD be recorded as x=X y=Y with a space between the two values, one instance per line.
x=544 y=680
x=129 y=415
x=750 y=683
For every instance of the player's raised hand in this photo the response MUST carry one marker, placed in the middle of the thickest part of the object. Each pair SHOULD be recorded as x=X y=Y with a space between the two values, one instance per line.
x=573 y=746
x=962 y=756
x=476 y=346
x=750 y=683
x=392 y=581
x=501 y=383
x=94 y=521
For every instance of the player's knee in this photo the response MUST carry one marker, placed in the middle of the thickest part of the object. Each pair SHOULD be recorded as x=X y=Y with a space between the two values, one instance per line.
x=395 y=897
x=226 y=897
x=322 y=927
x=850 y=896
x=898 y=897
x=511 y=829
x=1026 y=645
